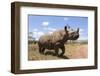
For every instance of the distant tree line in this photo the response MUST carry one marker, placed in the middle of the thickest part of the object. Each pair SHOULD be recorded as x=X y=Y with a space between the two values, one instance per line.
x=31 y=39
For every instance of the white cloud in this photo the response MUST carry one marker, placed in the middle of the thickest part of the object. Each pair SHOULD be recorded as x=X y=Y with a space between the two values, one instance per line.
x=81 y=30
x=40 y=33
x=45 y=23
x=34 y=34
x=30 y=34
x=50 y=32
x=51 y=29
x=35 y=29
x=66 y=19
x=37 y=34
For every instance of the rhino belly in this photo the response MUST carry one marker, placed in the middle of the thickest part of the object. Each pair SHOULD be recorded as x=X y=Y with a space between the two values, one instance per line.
x=50 y=46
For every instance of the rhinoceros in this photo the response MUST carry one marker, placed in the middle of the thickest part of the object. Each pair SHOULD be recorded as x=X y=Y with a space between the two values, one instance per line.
x=56 y=40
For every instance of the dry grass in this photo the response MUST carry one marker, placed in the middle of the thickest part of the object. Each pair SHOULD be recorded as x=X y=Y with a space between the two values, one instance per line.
x=76 y=51
x=72 y=51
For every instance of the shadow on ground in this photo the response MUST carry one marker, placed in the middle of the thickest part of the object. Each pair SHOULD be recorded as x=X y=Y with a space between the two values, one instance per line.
x=53 y=54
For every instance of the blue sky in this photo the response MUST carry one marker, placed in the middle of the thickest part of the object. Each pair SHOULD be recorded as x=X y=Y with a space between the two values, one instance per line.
x=42 y=24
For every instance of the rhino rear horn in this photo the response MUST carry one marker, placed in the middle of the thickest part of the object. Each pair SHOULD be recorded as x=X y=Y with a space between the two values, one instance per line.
x=65 y=28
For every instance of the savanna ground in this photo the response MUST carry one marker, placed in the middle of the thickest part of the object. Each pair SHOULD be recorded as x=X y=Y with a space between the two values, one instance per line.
x=72 y=51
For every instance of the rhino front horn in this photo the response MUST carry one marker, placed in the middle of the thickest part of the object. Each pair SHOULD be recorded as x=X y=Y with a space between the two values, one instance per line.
x=77 y=29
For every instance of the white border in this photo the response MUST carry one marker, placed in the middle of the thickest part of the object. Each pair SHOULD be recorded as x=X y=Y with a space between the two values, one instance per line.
x=25 y=64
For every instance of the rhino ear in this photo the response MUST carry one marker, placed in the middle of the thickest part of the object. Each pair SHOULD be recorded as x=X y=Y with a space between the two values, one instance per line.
x=77 y=30
x=65 y=28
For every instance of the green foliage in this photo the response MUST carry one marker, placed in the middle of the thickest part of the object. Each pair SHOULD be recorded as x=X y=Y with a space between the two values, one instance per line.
x=32 y=42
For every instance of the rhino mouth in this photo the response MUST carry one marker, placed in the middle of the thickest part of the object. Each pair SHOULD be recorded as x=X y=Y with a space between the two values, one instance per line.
x=75 y=37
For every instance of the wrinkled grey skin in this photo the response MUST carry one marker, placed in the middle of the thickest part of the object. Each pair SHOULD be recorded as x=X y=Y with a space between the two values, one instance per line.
x=56 y=40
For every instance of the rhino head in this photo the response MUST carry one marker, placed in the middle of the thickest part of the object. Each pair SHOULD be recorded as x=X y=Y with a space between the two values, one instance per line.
x=72 y=35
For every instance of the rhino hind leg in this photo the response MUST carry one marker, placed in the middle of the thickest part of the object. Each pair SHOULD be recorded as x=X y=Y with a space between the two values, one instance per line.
x=41 y=50
x=56 y=51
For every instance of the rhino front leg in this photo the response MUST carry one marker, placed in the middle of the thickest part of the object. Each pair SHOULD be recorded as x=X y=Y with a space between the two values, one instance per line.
x=63 y=50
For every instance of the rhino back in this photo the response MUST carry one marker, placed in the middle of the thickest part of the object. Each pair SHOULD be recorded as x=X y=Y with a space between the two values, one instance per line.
x=58 y=36
x=44 y=39
x=53 y=38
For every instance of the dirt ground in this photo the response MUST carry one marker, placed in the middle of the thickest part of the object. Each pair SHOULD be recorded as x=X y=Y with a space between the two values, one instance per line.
x=72 y=51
